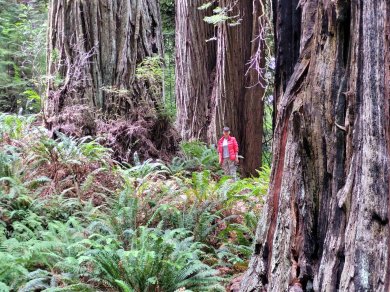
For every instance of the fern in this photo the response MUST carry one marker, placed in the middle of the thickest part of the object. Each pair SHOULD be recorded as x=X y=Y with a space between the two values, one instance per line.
x=147 y=170
x=123 y=286
x=9 y=161
x=14 y=126
x=165 y=259
x=79 y=287
x=4 y=287
x=37 y=282
x=159 y=228
x=201 y=184
x=12 y=270
x=196 y=156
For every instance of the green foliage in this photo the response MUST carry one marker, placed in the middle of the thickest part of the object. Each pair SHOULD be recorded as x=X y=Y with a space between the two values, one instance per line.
x=34 y=101
x=217 y=18
x=196 y=156
x=245 y=189
x=150 y=69
x=167 y=8
x=267 y=131
x=157 y=260
x=54 y=248
x=144 y=227
x=68 y=151
x=8 y=161
x=147 y=170
x=220 y=14
x=22 y=54
x=4 y=287
x=11 y=270
x=14 y=126
x=206 y=5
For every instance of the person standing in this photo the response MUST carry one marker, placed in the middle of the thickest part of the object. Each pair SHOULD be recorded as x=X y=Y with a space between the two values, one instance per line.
x=228 y=153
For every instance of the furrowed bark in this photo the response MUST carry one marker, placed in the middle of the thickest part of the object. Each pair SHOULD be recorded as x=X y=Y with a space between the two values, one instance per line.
x=94 y=48
x=195 y=69
x=212 y=87
x=237 y=96
x=102 y=82
x=325 y=226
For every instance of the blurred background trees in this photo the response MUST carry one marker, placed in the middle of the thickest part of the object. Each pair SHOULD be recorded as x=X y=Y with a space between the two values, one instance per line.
x=23 y=27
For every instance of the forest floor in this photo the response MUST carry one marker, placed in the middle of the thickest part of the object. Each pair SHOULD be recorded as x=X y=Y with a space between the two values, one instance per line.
x=74 y=219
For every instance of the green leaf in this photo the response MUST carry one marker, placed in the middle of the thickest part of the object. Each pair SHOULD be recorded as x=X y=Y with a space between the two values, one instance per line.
x=4 y=287
x=123 y=286
x=206 y=5
x=216 y=19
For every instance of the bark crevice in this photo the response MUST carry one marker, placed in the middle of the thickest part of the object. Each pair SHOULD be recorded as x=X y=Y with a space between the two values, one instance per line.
x=327 y=215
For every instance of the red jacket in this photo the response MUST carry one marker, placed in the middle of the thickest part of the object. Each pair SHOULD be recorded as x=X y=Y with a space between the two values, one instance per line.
x=232 y=146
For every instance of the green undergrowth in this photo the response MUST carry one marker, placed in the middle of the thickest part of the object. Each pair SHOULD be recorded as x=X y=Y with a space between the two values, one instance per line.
x=72 y=219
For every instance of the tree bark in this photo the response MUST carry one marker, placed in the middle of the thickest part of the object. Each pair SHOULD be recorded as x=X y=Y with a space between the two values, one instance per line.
x=287 y=26
x=237 y=96
x=101 y=79
x=325 y=226
x=216 y=91
x=94 y=48
x=195 y=70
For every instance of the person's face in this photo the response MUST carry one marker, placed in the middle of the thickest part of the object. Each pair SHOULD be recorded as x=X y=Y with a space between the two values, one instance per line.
x=226 y=134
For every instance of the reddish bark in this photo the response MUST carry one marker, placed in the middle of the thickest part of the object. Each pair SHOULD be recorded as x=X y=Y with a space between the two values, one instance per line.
x=326 y=224
x=213 y=89
x=94 y=51
x=94 y=48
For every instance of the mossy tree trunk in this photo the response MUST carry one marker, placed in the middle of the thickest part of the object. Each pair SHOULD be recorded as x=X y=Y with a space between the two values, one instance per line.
x=325 y=226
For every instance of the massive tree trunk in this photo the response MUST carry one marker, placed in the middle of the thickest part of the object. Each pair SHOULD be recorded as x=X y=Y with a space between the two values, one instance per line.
x=216 y=91
x=195 y=70
x=325 y=226
x=287 y=25
x=94 y=48
x=104 y=64
x=237 y=95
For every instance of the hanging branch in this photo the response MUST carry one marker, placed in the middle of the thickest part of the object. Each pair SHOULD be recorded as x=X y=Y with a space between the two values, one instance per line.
x=264 y=48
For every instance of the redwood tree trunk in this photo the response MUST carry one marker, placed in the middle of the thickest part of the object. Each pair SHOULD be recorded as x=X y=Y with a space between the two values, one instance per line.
x=94 y=48
x=214 y=90
x=237 y=96
x=195 y=69
x=325 y=226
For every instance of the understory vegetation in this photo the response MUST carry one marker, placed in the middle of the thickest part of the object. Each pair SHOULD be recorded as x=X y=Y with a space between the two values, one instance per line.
x=22 y=55
x=74 y=216
x=74 y=219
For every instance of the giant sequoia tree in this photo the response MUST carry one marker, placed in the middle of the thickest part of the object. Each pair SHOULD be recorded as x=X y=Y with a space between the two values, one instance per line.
x=326 y=223
x=213 y=88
